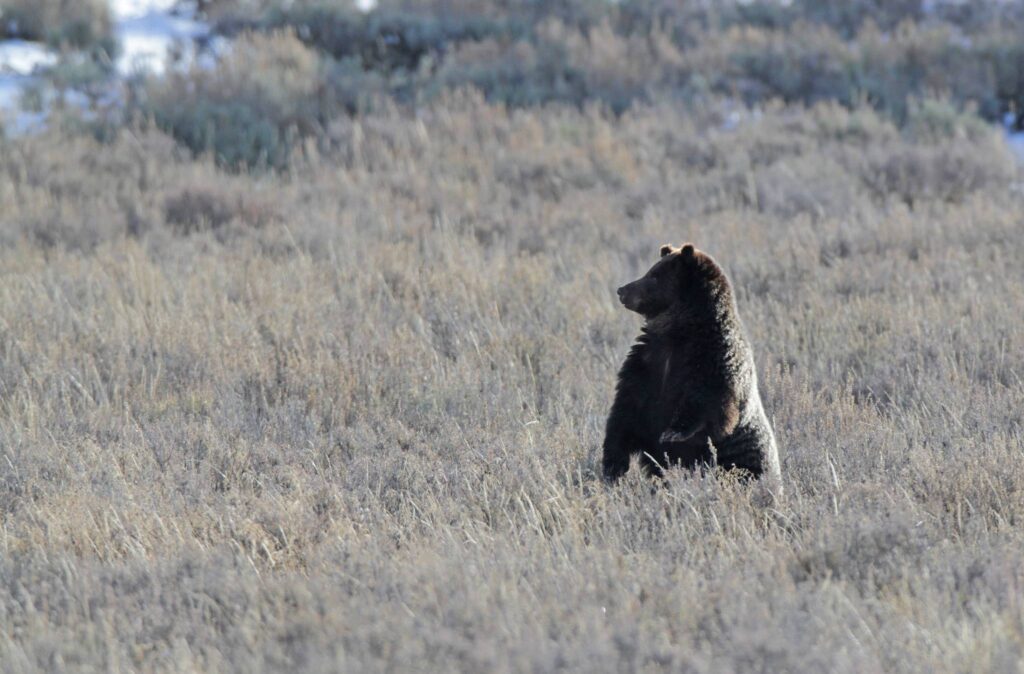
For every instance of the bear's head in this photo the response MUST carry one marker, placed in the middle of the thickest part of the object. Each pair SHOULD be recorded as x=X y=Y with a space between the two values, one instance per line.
x=679 y=277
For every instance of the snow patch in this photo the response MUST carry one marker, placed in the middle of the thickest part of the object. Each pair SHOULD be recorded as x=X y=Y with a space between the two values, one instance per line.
x=18 y=57
x=19 y=60
x=149 y=38
x=130 y=9
x=153 y=34
x=1015 y=141
x=10 y=91
x=14 y=120
x=1014 y=136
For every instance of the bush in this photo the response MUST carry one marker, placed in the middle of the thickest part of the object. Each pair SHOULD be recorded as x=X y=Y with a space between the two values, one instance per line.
x=848 y=17
x=253 y=108
x=79 y=24
x=197 y=209
x=934 y=120
x=526 y=53
x=388 y=40
x=758 y=64
x=915 y=173
x=1003 y=50
x=923 y=60
x=519 y=74
x=245 y=11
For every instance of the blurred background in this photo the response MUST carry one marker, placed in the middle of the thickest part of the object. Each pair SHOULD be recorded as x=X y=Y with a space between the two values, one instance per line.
x=253 y=80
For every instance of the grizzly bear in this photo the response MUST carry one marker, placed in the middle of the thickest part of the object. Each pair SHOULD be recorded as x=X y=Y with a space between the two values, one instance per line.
x=687 y=393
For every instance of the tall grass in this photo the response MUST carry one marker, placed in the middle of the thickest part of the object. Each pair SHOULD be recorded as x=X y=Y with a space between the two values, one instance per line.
x=345 y=417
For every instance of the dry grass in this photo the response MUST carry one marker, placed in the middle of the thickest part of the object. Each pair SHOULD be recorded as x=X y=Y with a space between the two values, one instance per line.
x=346 y=418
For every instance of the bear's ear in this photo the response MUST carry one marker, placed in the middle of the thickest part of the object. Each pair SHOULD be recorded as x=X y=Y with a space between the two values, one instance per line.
x=686 y=251
x=665 y=250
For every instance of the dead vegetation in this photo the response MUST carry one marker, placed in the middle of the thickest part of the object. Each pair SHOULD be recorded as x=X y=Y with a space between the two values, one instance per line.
x=345 y=417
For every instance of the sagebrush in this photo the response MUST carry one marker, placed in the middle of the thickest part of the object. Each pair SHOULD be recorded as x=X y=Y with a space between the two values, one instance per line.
x=346 y=416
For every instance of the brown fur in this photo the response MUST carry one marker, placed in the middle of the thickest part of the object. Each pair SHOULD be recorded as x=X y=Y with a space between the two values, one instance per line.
x=689 y=380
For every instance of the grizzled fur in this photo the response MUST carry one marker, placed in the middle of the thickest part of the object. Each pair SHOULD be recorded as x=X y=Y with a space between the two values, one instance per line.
x=687 y=393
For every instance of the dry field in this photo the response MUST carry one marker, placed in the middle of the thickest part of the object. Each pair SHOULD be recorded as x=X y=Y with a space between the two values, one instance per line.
x=346 y=417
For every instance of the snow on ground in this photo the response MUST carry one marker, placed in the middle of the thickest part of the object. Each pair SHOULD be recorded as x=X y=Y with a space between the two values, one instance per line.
x=128 y=9
x=149 y=32
x=10 y=91
x=18 y=57
x=1015 y=141
x=148 y=37
x=19 y=60
x=12 y=118
x=1014 y=137
x=152 y=35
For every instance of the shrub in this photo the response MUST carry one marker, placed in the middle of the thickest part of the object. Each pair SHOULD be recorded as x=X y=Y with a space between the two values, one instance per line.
x=1004 y=52
x=915 y=173
x=251 y=109
x=196 y=209
x=848 y=17
x=80 y=24
x=922 y=60
x=934 y=120
x=526 y=53
x=387 y=40
x=518 y=74
x=758 y=64
x=243 y=11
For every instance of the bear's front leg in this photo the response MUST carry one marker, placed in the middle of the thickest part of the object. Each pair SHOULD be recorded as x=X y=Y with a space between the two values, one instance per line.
x=615 y=459
x=620 y=433
x=619 y=439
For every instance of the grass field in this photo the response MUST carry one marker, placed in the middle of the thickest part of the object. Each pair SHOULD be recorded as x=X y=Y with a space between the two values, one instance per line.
x=346 y=417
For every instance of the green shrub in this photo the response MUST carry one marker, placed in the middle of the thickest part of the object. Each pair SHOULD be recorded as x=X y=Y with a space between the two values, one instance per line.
x=244 y=11
x=1003 y=51
x=848 y=17
x=236 y=133
x=923 y=60
x=519 y=74
x=933 y=120
x=759 y=64
x=387 y=40
x=526 y=53
x=79 y=24
x=252 y=109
